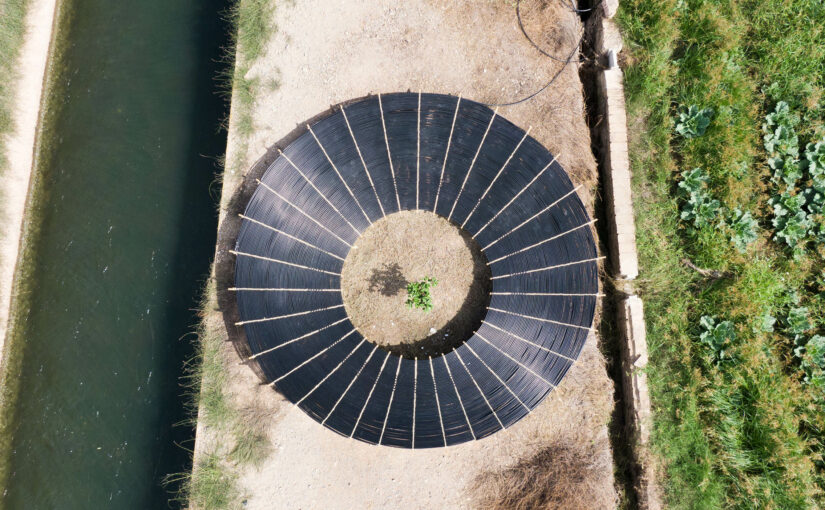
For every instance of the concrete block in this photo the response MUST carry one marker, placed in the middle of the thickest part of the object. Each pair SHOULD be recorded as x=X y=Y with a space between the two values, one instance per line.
x=637 y=397
x=617 y=176
x=609 y=8
x=605 y=34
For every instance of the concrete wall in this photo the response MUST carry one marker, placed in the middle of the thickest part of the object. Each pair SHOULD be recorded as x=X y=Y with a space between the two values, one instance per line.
x=611 y=137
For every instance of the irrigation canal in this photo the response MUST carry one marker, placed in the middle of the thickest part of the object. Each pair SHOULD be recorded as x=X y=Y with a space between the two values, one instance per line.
x=125 y=227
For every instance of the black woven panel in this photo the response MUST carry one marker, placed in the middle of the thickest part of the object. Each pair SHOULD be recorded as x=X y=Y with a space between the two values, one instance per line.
x=404 y=152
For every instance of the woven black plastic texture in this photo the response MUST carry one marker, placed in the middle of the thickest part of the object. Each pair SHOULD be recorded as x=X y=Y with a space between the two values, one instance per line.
x=410 y=151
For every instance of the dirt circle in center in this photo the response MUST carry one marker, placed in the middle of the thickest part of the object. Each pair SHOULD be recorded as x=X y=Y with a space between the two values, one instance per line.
x=406 y=247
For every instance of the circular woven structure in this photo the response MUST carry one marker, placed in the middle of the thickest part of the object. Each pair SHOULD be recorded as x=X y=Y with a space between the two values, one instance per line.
x=430 y=152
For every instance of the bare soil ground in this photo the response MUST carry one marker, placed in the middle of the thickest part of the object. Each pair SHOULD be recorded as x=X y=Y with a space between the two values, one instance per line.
x=325 y=52
x=402 y=248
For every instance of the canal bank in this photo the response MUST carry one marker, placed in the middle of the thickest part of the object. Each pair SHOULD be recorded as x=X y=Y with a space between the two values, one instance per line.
x=18 y=146
x=118 y=232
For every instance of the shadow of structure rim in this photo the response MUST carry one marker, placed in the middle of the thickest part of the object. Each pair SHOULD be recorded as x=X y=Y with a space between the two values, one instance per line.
x=389 y=281
x=371 y=157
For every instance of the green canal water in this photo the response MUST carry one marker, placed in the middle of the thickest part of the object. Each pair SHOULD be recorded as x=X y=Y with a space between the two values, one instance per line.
x=122 y=235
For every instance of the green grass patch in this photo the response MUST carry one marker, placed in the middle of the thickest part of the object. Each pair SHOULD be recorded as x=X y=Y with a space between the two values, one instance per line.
x=743 y=431
x=12 y=31
x=241 y=432
x=205 y=376
x=211 y=485
x=253 y=19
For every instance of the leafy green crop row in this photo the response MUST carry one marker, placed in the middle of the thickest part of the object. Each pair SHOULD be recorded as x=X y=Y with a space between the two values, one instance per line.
x=799 y=200
x=735 y=362
x=702 y=210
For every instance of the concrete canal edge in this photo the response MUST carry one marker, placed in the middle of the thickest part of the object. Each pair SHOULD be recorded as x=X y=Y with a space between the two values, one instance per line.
x=20 y=147
x=612 y=150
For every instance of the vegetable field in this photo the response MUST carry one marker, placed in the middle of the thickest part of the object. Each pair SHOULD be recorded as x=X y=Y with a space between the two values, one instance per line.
x=727 y=119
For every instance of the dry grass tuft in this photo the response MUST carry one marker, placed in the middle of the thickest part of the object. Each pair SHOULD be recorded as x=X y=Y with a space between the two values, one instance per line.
x=566 y=475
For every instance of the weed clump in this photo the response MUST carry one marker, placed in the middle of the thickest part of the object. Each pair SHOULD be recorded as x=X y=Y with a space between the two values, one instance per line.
x=418 y=294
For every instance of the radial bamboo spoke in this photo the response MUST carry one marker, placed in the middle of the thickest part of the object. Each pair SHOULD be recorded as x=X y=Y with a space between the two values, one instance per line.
x=458 y=355
x=552 y=238
x=517 y=362
x=296 y=339
x=547 y=268
x=302 y=212
x=304 y=363
x=278 y=261
x=531 y=218
x=460 y=402
x=389 y=155
x=327 y=200
x=497 y=176
x=375 y=348
x=571 y=294
x=361 y=157
x=503 y=383
x=534 y=179
x=273 y=289
x=415 y=398
x=446 y=153
x=253 y=220
x=339 y=174
x=389 y=406
x=551 y=321
x=472 y=163
x=369 y=396
x=418 y=153
x=437 y=402
x=537 y=346
x=339 y=365
x=266 y=319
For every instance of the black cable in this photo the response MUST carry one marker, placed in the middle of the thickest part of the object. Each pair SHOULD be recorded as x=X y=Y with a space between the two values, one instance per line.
x=581 y=11
x=565 y=61
x=536 y=46
x=546 y=85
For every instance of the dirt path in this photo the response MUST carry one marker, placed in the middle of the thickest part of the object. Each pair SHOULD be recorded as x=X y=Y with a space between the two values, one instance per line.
x=325 y=52
x=19 y=146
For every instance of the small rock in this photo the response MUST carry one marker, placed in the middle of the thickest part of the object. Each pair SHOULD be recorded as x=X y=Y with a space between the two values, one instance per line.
x=432 y=331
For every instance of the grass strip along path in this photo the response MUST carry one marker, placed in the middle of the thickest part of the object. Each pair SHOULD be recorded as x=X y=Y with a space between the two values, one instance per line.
x=736 y=369
x=12 y=30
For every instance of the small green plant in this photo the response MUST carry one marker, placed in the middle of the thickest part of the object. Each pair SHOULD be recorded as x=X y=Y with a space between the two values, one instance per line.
x=814 y=163
x=718 y=336
x=699 y=207
x=693 y=122
x=798 y=321
x=812 y=356
x=418 y=294
x=782 y=140
x=743 y=229
x=791 y=221
x=765 y=324
x=782 y=144
x=692 y=182
x=785 y=170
